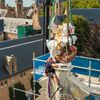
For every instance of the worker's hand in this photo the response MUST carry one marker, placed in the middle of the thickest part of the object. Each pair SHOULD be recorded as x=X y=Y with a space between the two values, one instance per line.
x=55 y=65
x=73 y=48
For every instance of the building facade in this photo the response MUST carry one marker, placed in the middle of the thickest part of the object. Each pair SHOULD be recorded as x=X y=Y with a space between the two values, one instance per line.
x=23 y=77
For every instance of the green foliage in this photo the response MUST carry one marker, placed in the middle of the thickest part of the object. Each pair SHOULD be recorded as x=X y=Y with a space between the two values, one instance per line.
x=19 y=95
x=37 y=86
x=92 y=52
x=82 y=31
x=85 y=4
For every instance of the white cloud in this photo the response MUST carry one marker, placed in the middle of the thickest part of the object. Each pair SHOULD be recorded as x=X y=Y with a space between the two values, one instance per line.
x=25 y=2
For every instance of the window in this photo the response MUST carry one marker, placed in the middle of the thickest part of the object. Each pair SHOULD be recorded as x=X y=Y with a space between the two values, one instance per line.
x=1 y=35
x=21 y=75
x=24 y=74
x=6 y=82
x=1 y=83
x=57 y=5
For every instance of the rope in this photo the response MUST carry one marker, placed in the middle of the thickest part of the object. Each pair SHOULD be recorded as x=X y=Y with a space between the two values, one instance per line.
x=49 y=86
x=52 y=15
x=54 y=94
x=70 y=14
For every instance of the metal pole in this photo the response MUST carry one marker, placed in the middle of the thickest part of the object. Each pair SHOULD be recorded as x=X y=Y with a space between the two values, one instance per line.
x=14 y=96
x=47 y=4
x=70 y=14
x=89 y=73
x=43 y=30
x=67 y=16
x=34 y=74
x=25 y=91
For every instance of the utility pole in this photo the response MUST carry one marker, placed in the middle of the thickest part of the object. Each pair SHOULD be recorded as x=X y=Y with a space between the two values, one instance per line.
x=70 y=14
x=47 y=18
x=13 y=83
x=67 y=18
x=43 y=29
x=34 y=74
x=47 y=8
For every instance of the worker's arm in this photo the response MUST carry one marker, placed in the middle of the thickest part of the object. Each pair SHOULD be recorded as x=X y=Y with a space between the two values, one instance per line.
x=53 y=64
x=71 y=56
x=66 y=58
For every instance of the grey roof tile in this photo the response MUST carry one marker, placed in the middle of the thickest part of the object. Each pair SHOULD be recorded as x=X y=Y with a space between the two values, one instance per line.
x=93 y=14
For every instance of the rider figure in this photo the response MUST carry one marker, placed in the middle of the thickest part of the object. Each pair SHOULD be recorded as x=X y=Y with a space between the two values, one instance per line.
x=64 y=56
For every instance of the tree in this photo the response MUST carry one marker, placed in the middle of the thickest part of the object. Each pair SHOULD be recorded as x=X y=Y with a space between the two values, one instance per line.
x=19 y=95
x=85 y=4
x=82 y=31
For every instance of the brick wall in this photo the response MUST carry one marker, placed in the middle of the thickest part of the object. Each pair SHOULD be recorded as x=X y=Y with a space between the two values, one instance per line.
x=23 y=77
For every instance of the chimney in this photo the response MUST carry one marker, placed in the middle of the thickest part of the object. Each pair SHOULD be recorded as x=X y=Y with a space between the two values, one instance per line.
x=11 y=64
x=2 y=4
x=58 y=7
x=19 y=8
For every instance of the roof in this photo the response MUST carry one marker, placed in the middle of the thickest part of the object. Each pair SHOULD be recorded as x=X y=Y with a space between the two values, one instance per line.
x=16 y=47
x=92 y=15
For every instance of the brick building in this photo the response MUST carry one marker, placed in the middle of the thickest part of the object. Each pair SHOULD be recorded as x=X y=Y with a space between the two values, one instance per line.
x=24 y=78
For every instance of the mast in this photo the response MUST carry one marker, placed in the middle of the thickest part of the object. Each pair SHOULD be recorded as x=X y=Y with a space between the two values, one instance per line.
x=70 y=14
x=67 y=18
x=43 y=30
x=47 y=15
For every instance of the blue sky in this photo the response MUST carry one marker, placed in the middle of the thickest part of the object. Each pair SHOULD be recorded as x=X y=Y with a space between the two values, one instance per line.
x=25 y=2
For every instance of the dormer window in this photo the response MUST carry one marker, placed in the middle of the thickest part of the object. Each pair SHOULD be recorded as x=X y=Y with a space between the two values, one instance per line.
x=5 y=82
x=10 y=64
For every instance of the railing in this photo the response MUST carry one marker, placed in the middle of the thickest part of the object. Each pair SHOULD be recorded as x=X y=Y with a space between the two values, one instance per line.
x=86 y=66
x=91 y=66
